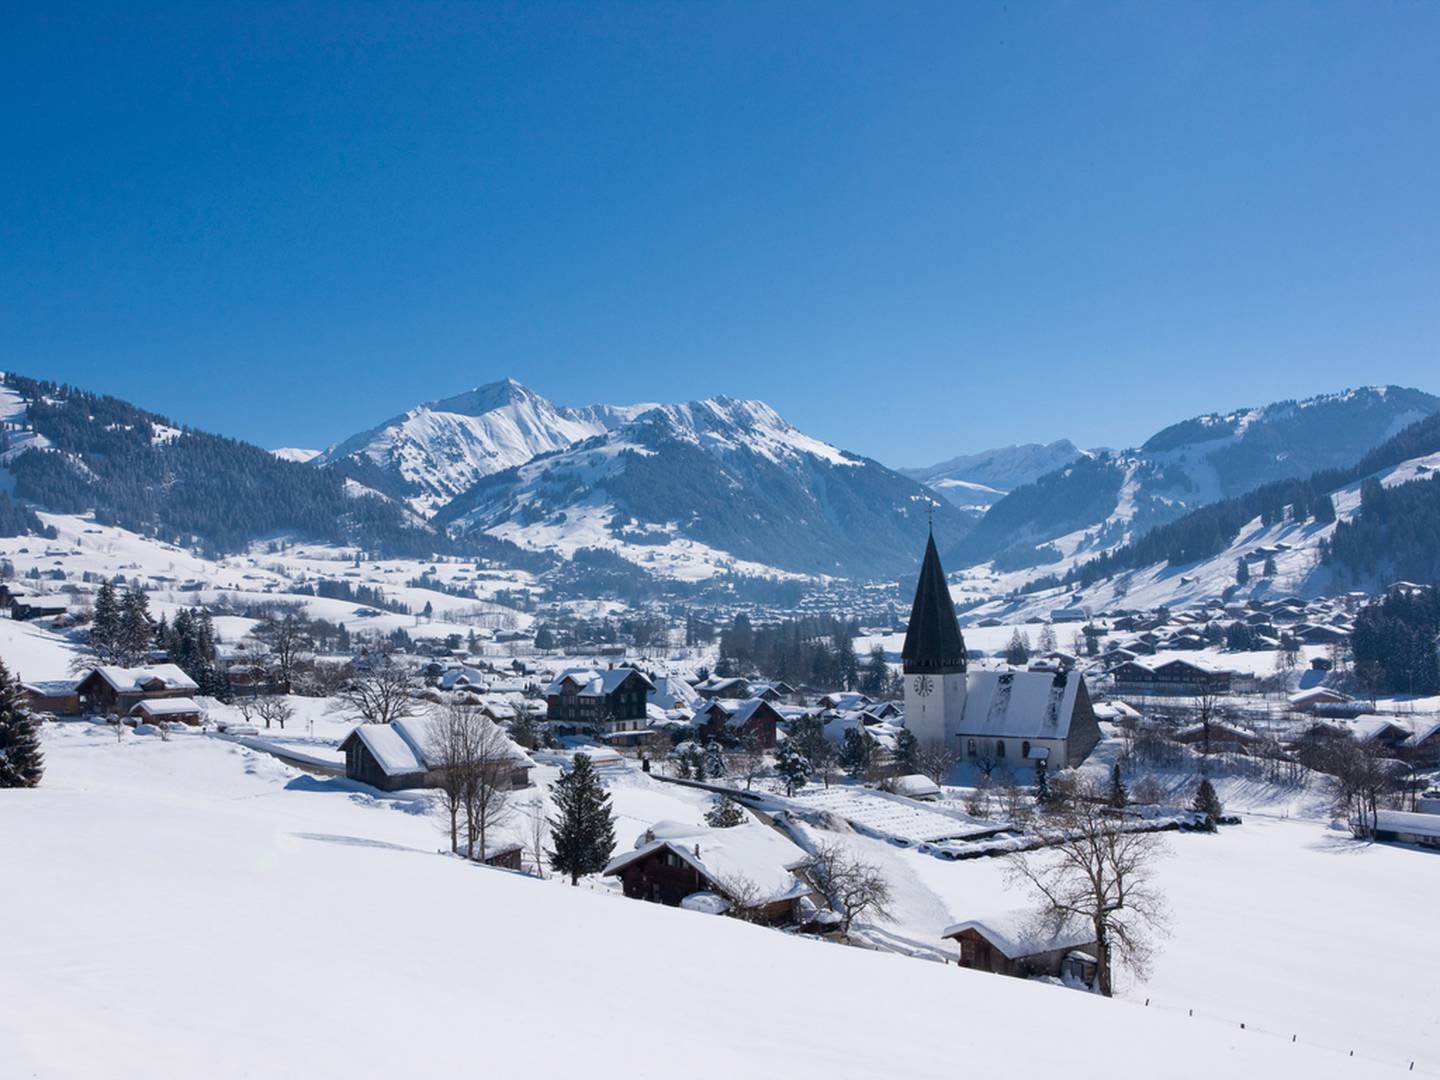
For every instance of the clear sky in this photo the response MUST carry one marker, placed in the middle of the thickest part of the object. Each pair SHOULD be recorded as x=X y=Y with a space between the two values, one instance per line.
x=914 y=229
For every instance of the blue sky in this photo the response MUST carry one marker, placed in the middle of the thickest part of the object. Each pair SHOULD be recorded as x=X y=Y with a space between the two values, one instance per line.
x=914 y=229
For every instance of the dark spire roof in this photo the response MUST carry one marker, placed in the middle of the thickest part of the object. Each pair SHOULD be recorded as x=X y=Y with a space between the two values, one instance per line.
x=933 y=642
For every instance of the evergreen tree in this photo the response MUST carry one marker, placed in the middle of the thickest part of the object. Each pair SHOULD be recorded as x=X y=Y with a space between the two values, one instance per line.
x=583 y=836
x=1017 y=653
x=792 y=767
x=714 y=760
x=907 y=751
x=725 y=814
x=1242 y=572
x=1207 y=802
x=105 y=627
x=1042 y=782
x=1324 y=510
x=857 y=752
x=21 y=762
x=1047 y=642
x=697 y=763
x=137 y=631
x=1270 y=568
x=876 y=680
x=1119 y=797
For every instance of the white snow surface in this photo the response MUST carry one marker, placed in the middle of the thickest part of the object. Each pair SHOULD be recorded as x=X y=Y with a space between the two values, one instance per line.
x=193 y=908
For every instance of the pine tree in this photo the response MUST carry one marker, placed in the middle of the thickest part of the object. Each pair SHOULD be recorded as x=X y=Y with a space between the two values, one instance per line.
x=725 y=814
x=792 y=767
x=583 y=836
x=1270 y=568
x=105 y=627
x=137 y=632
x=1042 y=782
x=907 y=750
x=21 y=762
x=1207 y=802
x=1119 y=797
x=857 y=751
x=714 y=760
x=1047 y=642
x=1242 y=572
x=1017 y=653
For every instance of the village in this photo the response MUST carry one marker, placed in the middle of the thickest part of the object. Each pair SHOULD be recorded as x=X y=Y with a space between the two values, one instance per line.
x=909 y=806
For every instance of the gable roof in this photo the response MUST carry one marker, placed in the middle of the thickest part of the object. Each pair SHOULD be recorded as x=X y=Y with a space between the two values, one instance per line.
x=1016 y=934
x=1020 y=704
x=404 y=747
x=593 y=683
x=932 y=640
x=132 y=680
x=750 y=852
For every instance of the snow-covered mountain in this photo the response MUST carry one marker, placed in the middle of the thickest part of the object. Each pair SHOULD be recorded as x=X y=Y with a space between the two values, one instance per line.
x=432 y=453
x=721 y=483
x=1101 y=501
x=974 y=482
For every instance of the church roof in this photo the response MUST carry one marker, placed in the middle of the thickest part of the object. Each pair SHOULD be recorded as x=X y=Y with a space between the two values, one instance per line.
x=933 y=641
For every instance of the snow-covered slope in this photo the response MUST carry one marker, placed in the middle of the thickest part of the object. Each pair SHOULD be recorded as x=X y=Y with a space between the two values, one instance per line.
x=438 y=450
x=1113 y=497
x=727 y=474
x=1294 y=547
x=191 y=908
x=975 y=481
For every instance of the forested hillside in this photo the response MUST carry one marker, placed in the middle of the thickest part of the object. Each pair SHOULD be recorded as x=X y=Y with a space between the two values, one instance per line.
x=138 y=470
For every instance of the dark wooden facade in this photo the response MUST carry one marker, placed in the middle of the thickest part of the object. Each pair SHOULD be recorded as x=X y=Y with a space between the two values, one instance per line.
x=622 y=709
x=663 y=877
x=760 y=724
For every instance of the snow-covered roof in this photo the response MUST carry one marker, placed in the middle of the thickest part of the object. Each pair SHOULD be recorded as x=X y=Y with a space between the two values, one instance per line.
x=1019 y=704
x=737 y=713
x=133 y=680
x=750 y=853
x=166 y=706
x=671 y=690
x=1402 y=821
x=916 y=786
x=593 y=682
x=1018 y=933
x=406 y=746
x=1314 y=695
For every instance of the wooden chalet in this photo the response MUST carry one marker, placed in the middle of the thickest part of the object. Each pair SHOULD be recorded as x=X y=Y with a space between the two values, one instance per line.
x=1176 y=678
x=732 y=721
x=1011 y=945
x=751 y=865
x=605 y=702
x=62 y=697
x=109 y=689
x=400 y=755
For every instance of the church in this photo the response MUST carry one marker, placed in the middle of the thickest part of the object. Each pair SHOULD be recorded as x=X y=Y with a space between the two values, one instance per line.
x=989 y=718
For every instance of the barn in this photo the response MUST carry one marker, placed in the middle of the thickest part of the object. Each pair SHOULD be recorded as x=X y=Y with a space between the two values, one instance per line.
x=400 y=755
x=750 y=865
x=1015 y=944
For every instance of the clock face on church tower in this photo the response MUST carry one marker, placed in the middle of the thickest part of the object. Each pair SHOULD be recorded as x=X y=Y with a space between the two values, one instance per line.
x=923 y=685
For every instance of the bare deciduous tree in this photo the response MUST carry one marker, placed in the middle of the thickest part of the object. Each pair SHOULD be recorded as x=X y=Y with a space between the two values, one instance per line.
x=1093 y=873
x=936 y=759
x=851 y=887
x=486 y=792
x=747 y=760
x=274 y=709
x=537 y=835
x=378 y=694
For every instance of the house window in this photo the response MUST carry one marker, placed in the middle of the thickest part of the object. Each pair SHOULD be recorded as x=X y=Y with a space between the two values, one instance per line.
x=999 y=747
x=970 y=747
x=1025 y=749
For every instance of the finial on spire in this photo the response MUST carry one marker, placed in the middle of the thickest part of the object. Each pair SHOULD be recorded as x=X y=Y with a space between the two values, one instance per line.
x=930 y=514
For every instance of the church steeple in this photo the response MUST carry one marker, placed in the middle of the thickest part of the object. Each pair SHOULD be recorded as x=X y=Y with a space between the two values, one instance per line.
x=933 y=645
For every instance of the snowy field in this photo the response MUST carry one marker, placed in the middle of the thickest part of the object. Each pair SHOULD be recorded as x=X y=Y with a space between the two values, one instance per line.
x=194 y=909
